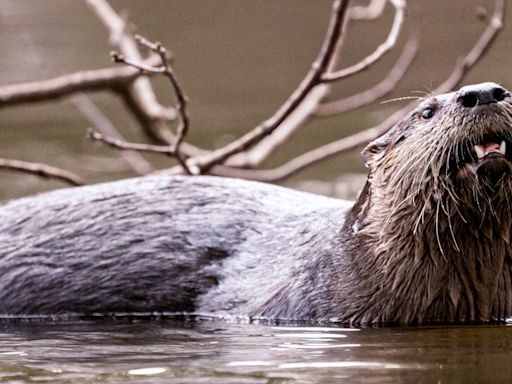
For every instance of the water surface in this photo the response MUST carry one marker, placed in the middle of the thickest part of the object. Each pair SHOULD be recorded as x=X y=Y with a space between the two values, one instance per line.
x=220 y=352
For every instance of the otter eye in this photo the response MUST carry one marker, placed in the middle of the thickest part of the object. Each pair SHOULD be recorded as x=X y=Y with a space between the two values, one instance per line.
x=428 y=113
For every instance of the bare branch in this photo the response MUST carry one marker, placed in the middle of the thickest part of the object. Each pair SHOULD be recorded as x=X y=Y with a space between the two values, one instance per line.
x=143 y=68
x=385 y=47
x=269 y=144
x=314 y=156
x=478 y=51
x=350 y=142
x=254 y=156
x=312 y=79
x=165 y=69
x=370 y=12
x=128 y=146
x=141 y=92
x=42 y=170
x=370 y=95
x=83 y=81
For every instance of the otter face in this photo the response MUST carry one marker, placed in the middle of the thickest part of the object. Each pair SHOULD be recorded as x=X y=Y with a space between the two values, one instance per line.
x=461 y=140
x=436 y=209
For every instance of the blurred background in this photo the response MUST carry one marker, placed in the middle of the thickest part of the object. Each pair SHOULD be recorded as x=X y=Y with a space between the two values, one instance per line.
x=237 y=61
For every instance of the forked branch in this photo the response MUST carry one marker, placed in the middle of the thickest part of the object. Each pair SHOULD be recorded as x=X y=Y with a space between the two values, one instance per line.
x=385 y=47
x=253 y=154
x=164 y=69
x=462 y=67
x=312 y=79
x=377 y=91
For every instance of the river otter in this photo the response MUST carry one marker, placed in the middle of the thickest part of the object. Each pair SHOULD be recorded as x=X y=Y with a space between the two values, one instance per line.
x=427 y=241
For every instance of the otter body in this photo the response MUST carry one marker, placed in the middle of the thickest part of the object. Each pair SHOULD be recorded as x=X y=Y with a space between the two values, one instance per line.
x=162 y=244
x=427 y=241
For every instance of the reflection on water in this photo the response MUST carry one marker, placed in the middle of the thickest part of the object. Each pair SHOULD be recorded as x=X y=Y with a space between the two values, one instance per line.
x=220 y=352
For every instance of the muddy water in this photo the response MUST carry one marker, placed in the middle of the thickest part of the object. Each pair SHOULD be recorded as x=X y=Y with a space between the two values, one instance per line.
x=213 y=352
x=238 y=60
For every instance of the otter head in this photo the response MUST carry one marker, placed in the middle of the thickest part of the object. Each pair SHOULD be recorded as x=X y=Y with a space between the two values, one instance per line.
x=456 y=146
x=433 y=221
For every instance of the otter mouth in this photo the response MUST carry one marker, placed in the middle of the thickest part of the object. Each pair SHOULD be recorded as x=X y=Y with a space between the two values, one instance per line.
x=490 y=150
x=489 y=157
x=492 y=147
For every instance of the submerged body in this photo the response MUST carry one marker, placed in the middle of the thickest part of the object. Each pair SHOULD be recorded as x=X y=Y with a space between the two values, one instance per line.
x=427 y=241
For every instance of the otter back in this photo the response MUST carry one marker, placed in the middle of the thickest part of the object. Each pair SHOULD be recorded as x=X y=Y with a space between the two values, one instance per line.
x=161 y=244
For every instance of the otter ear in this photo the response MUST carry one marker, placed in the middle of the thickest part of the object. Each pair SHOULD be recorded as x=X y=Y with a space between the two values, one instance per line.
x=376 y=147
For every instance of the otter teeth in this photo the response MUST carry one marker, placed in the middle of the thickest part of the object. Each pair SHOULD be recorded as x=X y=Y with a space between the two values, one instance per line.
x=479 y=152
x=483 y=150
x=503 y=148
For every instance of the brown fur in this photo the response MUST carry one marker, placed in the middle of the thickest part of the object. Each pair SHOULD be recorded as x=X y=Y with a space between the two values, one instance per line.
x=429 y=237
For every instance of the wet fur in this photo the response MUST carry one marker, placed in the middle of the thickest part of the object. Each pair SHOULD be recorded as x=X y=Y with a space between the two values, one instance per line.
x=436 y=234
x=427 y=241
x=163 y=244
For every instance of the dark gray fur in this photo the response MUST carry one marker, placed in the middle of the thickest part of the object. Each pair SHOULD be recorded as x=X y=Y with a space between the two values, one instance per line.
x=161 y=244
x=427 y=241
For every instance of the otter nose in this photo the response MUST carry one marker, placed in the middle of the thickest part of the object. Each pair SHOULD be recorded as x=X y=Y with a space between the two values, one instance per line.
x=479 y=94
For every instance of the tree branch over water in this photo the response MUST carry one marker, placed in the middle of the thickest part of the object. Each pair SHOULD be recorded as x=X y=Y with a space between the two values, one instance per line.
x=166 y=70
x=42 y=170
x=462 y=67
x=132 y=81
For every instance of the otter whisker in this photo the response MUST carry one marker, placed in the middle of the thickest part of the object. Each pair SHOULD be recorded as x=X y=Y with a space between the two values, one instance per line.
x=449 y=191
x=402 y=98
x=422 y=213
x=447 y=166
x=429 y=166
x=451 y=228
x=392 y=213
x=398 y=176
x=492 y=209
x=416 y=178
x=507 y=194
x=457 y=154
x=437 y=231
x=476 y=192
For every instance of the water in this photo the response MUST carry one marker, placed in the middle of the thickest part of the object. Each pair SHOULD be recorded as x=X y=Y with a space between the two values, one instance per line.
x=220 y=352
x=238 y=61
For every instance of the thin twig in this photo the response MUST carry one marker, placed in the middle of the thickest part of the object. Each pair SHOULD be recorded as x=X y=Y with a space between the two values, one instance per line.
x=479 y=49
x=184 y=124
x=165 y=69
x=149 y=111
x=260 y=151
x=142 y=117
x=312 y=79
x=42 y=170
x=314 y=156
x=383 y=48
x=128 y=146
x=381 y=89
x=83 y=81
